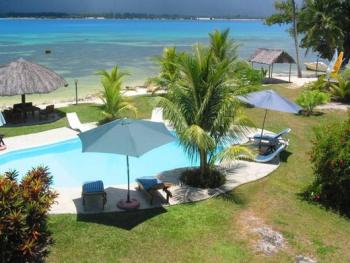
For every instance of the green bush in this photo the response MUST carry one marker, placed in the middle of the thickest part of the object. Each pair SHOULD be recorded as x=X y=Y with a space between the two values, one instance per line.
x=247 y=77
x=321 y=84
x=24 y=207
x=192 y=178
x=340 y=91
x=330 y=157
x=309 y=99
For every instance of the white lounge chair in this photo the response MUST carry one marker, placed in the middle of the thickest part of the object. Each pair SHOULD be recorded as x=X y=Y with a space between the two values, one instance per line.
x=271 y=156
x=271 y=137
x=74 y=122
x=157 y=115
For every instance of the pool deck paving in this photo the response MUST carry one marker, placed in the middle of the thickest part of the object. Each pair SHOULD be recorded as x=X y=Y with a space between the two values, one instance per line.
x=69 y=199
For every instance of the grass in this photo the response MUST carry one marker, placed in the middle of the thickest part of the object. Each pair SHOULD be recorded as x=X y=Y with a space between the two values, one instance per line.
x=86 y=113
x=211 y=231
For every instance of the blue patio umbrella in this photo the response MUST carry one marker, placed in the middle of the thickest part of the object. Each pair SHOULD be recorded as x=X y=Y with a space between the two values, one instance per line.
x=126 y=137
x=270 y=100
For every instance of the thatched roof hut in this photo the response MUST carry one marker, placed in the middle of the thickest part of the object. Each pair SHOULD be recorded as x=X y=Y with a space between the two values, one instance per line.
x=270 y=57
x=23 y=77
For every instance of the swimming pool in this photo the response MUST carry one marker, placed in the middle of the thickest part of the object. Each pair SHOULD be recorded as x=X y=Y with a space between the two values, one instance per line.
x=70 y=167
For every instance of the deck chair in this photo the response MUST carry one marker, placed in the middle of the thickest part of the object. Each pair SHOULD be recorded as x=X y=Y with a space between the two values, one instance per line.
x=271 y=137
x=157 y=115
x=269 y=157
x=151 y=185
x=95 y=188
x=74 y=122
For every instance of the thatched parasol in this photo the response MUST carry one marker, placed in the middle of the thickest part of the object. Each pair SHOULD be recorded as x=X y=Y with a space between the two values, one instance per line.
x=271 y=57
x=22 y=77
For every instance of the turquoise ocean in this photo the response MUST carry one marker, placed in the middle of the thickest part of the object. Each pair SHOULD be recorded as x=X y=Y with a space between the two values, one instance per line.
x=81 y=47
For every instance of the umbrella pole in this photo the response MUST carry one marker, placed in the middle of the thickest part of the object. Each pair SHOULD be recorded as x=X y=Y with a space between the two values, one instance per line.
x=23 y=99
x=127 y=164
x=262 y=130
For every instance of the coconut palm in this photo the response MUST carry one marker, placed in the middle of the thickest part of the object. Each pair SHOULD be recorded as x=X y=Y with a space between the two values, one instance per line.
x=202 y=108
x=222 y=46
x=287 y=13
x=114 y=104
x=325 y=27
x=168 y=71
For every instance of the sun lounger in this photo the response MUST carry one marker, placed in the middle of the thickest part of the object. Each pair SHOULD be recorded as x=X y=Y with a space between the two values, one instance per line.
x=151 y=185
x=74 y=122
x=271 y=137
x=157 y=115
x=95 y=188
x=269 y=157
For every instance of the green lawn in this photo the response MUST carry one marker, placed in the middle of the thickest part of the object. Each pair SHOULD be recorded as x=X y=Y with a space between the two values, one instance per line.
x=212 y=231
x=86 y=113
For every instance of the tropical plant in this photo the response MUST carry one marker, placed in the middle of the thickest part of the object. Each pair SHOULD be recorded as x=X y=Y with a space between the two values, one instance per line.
x=324 y=26
x=202 y=108
x=246 y=77
x=321 y=84
x=222 y=46
x=309 y=99
x=288 y=13
x=168 y=70
x=114 y=104
x=330 y=157
x=24 y=208
x=341 y=90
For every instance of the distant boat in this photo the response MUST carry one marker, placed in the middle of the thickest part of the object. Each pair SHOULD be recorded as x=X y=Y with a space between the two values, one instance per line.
x=321 y=67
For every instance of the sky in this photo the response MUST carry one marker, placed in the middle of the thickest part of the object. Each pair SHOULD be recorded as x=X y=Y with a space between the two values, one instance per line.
x=179 y=7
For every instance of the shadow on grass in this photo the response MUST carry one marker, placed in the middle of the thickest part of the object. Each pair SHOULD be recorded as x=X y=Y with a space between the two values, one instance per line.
x=284 y=156
x=234 y=197
x=124 y=220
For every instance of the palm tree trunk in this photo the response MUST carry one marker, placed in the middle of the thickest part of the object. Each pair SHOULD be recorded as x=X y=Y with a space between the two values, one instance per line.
x=346 y=49
x=203 y=163
x=295 y=36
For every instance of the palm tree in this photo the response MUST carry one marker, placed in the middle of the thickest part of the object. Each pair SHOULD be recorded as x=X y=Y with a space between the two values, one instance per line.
x=114 y=103
x=295 y=37
x=322 y=22
x=168 y=70
x=287 y=14
x=202 y=107
x=222 y=46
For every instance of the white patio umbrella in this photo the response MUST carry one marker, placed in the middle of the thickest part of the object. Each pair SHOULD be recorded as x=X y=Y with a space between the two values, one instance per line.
x=127 y=137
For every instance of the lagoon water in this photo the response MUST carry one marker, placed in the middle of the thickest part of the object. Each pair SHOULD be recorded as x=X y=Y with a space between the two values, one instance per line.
x=80 y=47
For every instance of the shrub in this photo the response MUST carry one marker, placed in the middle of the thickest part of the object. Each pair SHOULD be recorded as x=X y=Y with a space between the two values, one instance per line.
x=330 y=157
x=341 y=90
x=321 y=84
x=24 y=207
x=309 y=99
x=192 y=178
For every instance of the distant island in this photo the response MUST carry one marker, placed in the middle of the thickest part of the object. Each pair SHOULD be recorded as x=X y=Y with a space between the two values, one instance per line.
x=56 y=15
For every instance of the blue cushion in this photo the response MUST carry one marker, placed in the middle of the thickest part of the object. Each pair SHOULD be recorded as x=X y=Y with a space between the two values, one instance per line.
x=148 y=181
x=91 y=187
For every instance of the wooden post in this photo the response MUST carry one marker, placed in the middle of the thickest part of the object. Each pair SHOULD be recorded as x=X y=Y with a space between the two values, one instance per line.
x=290 y=70
x=271 y=70
x=76 y=91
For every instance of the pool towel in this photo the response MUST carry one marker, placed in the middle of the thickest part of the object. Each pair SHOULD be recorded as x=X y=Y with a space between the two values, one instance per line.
x=92 y=187
x=148 y=181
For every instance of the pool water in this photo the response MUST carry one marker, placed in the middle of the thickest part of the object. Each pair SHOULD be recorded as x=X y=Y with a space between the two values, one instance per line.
x=70 y=167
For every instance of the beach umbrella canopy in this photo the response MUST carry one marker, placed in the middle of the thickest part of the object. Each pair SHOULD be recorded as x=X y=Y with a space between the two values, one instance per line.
x=270 y=100
x=23 y=77
x=2 y=120
x=126 y=137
